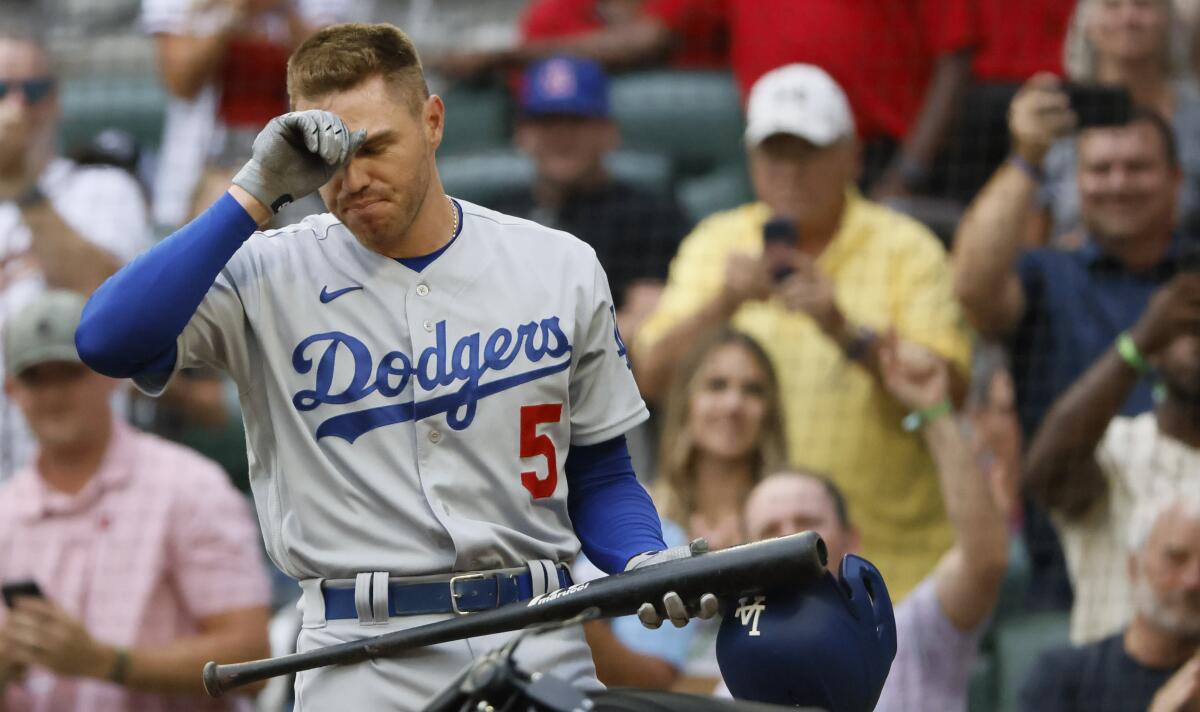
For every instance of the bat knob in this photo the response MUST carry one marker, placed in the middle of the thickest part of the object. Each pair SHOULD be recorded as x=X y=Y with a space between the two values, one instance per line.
x=212 y=684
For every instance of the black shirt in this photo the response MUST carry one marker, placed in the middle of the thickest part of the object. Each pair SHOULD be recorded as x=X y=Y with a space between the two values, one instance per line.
x=1100 y=677
x=634 y=232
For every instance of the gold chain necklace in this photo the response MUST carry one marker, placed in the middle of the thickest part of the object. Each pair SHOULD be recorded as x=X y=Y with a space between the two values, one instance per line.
x=454 y=213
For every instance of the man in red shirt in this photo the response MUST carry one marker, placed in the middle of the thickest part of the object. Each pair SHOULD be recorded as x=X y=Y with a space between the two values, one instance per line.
x=902 y=63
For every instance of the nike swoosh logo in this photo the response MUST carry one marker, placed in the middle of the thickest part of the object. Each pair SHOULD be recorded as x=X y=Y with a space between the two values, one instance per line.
x=328 y=296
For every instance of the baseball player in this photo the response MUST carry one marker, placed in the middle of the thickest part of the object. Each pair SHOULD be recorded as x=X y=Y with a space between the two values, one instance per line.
x=435 y=394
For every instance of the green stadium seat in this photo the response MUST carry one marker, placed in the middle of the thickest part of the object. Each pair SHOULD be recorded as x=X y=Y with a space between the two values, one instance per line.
x=479 y=177
x=477 y=119
x=981 y=690
x=133 y=103
x=1020 y=641
x=722 y=189
x=695 y=117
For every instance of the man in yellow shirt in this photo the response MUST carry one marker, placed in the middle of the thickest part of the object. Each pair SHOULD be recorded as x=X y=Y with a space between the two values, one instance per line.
x=819 y=274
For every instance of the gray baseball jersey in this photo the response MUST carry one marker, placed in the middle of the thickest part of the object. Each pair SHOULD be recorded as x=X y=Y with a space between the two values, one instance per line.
x=415 y=422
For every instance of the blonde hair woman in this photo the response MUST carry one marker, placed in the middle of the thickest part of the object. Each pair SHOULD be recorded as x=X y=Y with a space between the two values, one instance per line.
x=722 y=433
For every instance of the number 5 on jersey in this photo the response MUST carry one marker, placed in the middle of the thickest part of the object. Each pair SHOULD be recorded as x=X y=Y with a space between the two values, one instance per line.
x=534 y=444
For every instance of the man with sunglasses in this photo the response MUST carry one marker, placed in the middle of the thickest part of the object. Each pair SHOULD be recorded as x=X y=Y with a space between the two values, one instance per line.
x=61 y=224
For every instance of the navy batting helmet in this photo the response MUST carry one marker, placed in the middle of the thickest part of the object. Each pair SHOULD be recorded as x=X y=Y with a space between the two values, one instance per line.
x=828 y=644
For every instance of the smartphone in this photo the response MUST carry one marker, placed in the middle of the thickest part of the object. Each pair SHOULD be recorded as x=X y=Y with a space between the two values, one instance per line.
x=12 y=590
x=779 y=239
x=1099 y=104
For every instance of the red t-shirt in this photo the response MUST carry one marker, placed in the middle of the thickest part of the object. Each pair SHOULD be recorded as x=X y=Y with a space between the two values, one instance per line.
x=881 y=52
x=704 y=37
x=1019 y=38
x=253 y=82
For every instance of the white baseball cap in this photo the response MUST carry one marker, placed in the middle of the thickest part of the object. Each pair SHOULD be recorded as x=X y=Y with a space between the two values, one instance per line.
x=801 y=100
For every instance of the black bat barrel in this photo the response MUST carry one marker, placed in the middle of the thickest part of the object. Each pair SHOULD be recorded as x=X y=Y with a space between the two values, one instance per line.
x=737 y=571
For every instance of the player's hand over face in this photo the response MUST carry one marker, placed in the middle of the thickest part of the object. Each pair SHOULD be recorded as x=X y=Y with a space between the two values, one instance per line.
x=1038 y=116
x=1174 y=309
x=296 y=154
x=40 y=633
x=672 y=606
x=914 y=375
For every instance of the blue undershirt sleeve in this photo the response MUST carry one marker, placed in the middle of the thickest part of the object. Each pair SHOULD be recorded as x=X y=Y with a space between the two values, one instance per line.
x=612 y=513
x=131 y=322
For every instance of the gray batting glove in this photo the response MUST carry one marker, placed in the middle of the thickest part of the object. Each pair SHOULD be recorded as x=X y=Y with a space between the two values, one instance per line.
x=672 y=604
x=296 y=154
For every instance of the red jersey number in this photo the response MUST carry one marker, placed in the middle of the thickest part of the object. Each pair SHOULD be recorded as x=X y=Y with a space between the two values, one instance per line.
x=534 y=444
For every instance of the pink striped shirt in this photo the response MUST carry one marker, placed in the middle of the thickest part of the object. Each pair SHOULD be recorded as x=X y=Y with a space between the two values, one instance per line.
x=155 y=541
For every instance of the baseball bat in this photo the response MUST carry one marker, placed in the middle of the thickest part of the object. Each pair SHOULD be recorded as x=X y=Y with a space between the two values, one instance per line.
x=741 y=570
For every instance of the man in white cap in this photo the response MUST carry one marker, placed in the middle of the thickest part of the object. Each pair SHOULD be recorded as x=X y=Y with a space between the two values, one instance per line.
x=818 y=274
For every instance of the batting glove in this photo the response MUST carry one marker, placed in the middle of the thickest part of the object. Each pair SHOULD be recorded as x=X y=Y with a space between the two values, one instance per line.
x=296 y=154
x=672 y=604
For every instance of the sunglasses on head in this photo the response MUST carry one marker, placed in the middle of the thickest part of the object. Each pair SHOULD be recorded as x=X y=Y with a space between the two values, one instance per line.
x=34 y=90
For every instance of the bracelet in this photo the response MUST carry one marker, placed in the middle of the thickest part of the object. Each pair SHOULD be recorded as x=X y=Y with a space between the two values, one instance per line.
x=120 y=666
x=917 y=419
x=1130 y=354
x=1035 y=173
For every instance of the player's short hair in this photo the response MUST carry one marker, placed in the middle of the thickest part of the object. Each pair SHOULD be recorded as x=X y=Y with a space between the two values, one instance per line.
x=340 y=57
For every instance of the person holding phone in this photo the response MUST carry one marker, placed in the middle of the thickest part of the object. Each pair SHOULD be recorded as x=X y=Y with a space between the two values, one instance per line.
x=126 y=561
x=1058 y=310
x=818 y=274
x=1136 y=47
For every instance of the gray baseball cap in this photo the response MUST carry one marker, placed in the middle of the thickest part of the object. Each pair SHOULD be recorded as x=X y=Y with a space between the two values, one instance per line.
x=42 y=331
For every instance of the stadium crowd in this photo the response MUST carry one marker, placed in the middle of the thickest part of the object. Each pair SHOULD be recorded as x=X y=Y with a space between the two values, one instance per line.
x=920 y=275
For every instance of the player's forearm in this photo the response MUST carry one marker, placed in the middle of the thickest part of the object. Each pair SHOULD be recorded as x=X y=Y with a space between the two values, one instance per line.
x=611 y=512
x=68 y=260
x=133 y=319
x=988 y=242
x=1061 y=469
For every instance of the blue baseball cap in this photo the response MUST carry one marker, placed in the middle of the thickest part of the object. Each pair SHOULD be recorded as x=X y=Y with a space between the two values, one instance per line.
x=565 y=85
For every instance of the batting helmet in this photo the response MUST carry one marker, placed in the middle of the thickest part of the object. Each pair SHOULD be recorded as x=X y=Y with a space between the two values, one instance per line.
x=829 y=644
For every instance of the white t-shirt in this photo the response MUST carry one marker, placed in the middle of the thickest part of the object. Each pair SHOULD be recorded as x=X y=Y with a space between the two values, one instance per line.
x=192 y=129
x=105 y=206
x=1139 y=464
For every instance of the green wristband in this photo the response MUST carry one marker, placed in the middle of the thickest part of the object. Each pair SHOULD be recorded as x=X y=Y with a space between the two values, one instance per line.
x=917 y=419
x=1131 y=355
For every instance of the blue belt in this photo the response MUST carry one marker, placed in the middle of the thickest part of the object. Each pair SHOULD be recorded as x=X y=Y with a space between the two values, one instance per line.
x=465 y=593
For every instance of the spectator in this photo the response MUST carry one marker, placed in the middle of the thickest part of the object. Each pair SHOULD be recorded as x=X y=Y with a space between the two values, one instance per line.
x=144 y=581
x=940 y=623
x=722 y=433
x=902 y=66
x=1092 y=468
x=852 y=270
x=1153 y=663
x=61 y=224
x=1137 y=44
x=224 y=63
x=1015 y=39
x=565 y=128
x=1059 y=311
